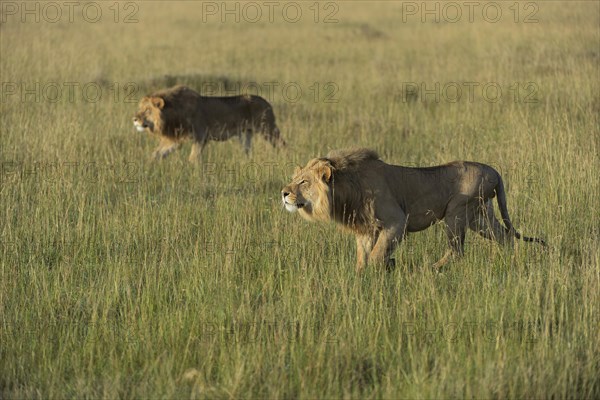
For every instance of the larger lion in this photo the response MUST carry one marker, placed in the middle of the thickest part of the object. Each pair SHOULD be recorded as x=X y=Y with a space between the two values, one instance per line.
x=179 y=113
x=380 y=203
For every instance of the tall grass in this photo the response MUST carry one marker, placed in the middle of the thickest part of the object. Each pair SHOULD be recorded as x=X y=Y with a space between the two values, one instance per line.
x=125 y=278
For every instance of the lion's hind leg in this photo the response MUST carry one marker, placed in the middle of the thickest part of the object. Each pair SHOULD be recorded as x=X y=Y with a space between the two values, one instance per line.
x=456 y=241
x=273 y=136
x=270 y=131
x=484 y=222
x=196 y=152
x=456 y=226
x=246 y=139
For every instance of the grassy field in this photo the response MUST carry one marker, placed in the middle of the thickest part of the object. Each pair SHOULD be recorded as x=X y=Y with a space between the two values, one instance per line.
x=124 y=278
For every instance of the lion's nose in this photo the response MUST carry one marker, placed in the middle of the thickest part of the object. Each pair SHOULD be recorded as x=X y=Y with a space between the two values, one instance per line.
x=285 y=194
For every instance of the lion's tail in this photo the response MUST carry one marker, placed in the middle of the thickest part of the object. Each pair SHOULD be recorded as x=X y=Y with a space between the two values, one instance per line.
x=501 y=198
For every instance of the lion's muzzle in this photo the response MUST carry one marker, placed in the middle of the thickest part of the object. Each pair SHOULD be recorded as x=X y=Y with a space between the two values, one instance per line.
x=141 y=125
x=289 y=202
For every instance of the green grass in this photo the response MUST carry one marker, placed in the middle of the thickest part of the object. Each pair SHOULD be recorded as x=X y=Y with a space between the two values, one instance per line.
x=125 y=278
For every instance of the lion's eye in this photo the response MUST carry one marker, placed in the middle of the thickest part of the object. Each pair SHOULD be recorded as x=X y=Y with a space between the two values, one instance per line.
x=302 y=182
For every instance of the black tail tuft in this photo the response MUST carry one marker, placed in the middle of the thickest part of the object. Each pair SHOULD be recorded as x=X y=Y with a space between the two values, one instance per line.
x=530 y=239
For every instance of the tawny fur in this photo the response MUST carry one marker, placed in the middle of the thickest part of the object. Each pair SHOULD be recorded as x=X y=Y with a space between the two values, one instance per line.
x=381 y=202
x=180 y=113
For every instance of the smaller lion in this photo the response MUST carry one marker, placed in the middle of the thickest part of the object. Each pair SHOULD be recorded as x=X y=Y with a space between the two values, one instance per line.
x=179 y=113
x=380 y=203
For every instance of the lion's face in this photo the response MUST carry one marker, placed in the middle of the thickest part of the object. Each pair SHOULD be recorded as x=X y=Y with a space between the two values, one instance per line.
x=309 y=193
x=148 y=114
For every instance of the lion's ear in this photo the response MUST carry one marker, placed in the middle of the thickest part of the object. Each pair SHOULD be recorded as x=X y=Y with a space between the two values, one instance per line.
x=324 y=172
x=158 y=102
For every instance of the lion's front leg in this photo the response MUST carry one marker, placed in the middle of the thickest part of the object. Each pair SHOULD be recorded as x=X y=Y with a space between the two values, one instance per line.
x=389 y=237
x=165 y=147
x=364 y=245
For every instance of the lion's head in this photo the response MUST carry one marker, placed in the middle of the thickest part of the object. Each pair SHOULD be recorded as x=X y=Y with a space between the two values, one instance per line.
x=333 y=188
x=149 y=114
x=309 y=192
